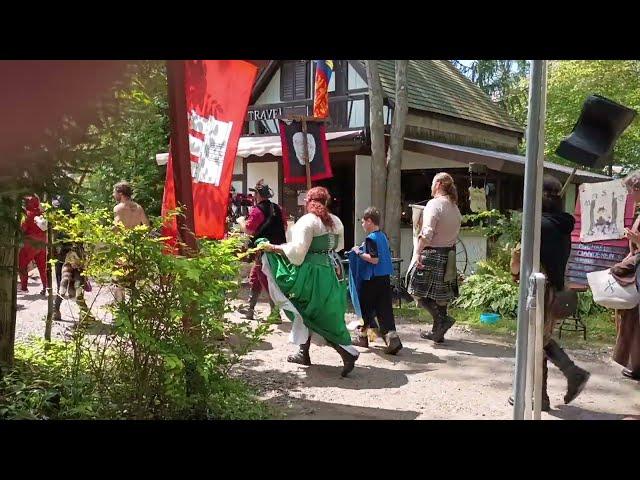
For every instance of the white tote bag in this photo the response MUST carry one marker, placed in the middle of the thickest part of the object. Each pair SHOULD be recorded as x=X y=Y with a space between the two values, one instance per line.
x=610 y=294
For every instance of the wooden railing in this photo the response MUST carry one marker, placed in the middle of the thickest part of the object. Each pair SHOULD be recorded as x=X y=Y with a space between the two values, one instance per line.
x=344 y=112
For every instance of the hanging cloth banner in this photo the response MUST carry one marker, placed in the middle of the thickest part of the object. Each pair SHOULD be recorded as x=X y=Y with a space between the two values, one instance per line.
x=293 y=151
x=602 y=208
x=477 y=199
x=217 y=94
x=417 y=212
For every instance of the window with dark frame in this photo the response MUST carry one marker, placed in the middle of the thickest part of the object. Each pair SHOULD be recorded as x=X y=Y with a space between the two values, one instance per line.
x=294 y=80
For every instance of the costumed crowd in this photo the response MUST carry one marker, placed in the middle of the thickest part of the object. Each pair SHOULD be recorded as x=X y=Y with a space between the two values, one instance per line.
x=304 y=277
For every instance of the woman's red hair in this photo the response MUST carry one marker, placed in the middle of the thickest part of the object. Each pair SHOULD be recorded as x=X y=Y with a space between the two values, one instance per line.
x=317 y=199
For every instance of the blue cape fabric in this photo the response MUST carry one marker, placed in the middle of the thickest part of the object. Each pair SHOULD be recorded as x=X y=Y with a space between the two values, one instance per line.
x=359 y=271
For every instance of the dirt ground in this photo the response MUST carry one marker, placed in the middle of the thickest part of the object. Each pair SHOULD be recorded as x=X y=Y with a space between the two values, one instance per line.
x=468 y=377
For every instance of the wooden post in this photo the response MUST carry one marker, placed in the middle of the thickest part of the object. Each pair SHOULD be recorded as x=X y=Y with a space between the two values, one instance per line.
x=566 y=184
x=49 y=321
x=305 y=142
x=184 y=194
x=180 y=153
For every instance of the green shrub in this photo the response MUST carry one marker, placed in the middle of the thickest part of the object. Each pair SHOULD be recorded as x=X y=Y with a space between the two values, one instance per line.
x=170 y=350
x=492 y=293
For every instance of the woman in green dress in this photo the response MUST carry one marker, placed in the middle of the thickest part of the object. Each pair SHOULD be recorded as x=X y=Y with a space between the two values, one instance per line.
x=303 y=277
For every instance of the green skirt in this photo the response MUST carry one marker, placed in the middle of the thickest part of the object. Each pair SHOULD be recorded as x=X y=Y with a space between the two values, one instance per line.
x=316 y=293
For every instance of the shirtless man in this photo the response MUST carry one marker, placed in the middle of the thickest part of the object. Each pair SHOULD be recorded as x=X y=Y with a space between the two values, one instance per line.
x=128 y=214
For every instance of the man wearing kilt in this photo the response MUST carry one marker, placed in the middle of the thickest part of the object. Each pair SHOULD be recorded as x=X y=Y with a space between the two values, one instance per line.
x=433 y=279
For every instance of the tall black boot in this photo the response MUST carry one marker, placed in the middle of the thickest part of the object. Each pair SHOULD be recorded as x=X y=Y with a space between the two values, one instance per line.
x=253 y=300
x=302 y=356
x=576 y=377
x=446 y=322
x=431 y=307
x=546 y=403
x=348 y=360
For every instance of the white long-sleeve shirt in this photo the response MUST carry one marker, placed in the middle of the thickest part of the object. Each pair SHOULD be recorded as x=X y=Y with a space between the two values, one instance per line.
x=441 y=222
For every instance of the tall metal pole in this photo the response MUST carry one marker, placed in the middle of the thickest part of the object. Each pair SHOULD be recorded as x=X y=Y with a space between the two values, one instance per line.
x=530 y=223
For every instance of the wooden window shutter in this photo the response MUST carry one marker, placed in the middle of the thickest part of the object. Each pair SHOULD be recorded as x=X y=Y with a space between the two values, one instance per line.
x=301 y=75
x=294 y=80
x=286 y=81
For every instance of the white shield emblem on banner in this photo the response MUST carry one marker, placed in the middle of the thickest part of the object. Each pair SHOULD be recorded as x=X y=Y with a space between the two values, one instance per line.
x=210 y=151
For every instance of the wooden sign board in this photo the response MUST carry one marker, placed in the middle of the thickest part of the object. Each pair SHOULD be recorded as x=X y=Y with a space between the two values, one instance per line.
x=594 y=256
x=591 y=257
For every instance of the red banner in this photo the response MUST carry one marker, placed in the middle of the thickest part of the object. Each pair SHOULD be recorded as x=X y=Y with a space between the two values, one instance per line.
x=217 y=95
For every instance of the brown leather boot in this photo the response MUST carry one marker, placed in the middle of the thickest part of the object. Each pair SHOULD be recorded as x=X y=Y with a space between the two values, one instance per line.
x=301 y=357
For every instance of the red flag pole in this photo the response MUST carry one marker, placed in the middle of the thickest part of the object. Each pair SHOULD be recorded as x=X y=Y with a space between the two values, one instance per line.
x=180 y=152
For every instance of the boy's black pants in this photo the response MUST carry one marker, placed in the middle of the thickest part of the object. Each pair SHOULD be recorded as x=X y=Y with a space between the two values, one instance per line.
x=376 y=300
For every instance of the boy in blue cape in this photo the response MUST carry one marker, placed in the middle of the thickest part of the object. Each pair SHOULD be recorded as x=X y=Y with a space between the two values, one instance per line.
x=372 y=262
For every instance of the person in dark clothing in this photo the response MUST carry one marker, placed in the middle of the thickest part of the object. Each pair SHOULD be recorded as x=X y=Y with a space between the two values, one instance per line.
x=627 y=349
x=375 y=294
x=555 y=248
x=265 y=221
x=68 y=257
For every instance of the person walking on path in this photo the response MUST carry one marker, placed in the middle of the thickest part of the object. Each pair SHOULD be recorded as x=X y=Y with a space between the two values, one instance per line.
x=627 y=349
x=265 y=221
x=304 y=280
x=127 y=214
x=375 y=289
x=432 y=274
x=555 y=248
x=34 y=229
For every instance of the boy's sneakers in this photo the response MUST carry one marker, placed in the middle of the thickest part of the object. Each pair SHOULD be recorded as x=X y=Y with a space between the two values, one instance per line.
x=360 y=339
x=394 y=345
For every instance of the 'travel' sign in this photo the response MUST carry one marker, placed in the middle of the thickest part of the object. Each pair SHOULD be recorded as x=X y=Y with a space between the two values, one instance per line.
x=267 y=114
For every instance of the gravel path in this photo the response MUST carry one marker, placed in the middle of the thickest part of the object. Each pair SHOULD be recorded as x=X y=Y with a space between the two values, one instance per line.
x=468 y=377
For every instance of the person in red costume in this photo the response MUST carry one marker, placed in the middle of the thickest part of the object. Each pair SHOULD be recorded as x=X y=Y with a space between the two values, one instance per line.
x=34 y=228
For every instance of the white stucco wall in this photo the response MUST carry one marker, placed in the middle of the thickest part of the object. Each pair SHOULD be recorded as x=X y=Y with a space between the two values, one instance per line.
x=271 y=94
x=354 y=80
x=266 y=170
x=363 y=193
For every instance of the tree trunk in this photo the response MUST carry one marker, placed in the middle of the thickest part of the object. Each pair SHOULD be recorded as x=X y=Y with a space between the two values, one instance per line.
x=394 y=160
x=376 y=123
x=8 y=286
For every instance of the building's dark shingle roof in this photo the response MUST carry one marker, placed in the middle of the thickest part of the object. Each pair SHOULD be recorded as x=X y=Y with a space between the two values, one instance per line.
x=437 y=86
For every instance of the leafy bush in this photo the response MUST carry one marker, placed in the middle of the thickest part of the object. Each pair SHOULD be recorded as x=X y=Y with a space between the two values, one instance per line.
x=492 y=290
x=497 y=226
x=170 y=350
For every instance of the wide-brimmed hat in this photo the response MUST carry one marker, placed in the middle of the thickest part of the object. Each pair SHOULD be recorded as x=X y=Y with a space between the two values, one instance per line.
x=262 y=189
